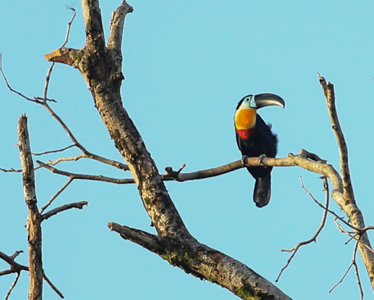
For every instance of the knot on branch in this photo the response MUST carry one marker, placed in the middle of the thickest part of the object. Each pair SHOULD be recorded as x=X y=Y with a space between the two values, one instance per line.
x=309 y=155
x=174 y=175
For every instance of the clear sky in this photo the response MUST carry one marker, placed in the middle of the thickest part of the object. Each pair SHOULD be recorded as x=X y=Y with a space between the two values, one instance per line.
x=187 y=64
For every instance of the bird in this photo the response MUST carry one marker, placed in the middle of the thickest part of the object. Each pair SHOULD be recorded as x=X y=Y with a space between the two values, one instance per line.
x=255 y=138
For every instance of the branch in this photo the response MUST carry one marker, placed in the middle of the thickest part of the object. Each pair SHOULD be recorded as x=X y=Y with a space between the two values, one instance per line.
x=56 y=195
x=14 y=91
x=353 y=263
x=145 y=239
x=89 y=155
x=314 y=237
x=93 y=24
x=69 y=26
x=328 y=89
x=67 y=56
x=11 y=170
x=84 y=176
x=53 y=151
x=116 y=26
x=33 y=220
x=62 y=208
x=53 y=287
x=178 y=176
x=17 y=268
x=13 y=285
x=205 y=263
x=349 y=203
x=14 y=266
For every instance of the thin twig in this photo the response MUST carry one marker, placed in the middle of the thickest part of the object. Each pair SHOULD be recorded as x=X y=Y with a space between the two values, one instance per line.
x=314 y=237
x=85 y=176
x=56 y=195
x=35 y=99
x=52 y=65
x=14 y=91
x=47 y=82
x=53 y=151
x=354 y=264
x=69 y=26
x=11 y=170
x=53 y=287
x=13 y=285
x=88 y=154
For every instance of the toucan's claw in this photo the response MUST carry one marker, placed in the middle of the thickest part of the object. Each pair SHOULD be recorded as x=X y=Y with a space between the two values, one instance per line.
x=244 y=160
x=261 y=158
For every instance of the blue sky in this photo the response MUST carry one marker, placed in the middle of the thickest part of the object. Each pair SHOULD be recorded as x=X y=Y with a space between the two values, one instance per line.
x=187 y=64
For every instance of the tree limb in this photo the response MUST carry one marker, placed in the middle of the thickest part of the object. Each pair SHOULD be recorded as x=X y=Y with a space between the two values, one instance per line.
x=59 y=209
x=56 y=195
x=17 y=268
x=349 y=203
x=84 y=176
x=116 y=26
x=205 y=263
x=314 y=237
x=33 y=221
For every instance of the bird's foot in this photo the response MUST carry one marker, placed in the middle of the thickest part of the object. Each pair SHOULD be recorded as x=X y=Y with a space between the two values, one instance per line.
x=244 y=160
x=260 y=158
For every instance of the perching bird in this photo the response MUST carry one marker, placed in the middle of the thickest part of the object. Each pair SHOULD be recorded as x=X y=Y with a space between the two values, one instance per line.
x=255 y=138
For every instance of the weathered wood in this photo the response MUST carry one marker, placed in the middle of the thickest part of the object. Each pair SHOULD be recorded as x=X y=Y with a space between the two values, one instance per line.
x=101 y=67
x=33 y=220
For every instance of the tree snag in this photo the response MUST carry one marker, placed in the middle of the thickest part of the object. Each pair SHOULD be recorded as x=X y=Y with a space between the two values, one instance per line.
x=101 y=67
x=34 y=229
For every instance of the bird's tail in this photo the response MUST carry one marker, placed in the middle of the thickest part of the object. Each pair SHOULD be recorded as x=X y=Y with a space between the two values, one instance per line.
x=262 y=190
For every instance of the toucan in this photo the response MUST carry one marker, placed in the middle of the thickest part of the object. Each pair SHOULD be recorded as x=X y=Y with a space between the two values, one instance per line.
x=254 y=138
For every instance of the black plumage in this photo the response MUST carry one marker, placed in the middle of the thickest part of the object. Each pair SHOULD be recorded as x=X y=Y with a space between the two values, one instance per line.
x=261 y=142
x=255 y=139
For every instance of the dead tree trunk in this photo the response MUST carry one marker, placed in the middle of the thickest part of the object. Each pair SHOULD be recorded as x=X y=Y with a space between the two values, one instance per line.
x=34 y=229
x=101 y=66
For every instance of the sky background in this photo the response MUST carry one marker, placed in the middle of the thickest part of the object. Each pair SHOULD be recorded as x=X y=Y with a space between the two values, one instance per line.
x=187 y=64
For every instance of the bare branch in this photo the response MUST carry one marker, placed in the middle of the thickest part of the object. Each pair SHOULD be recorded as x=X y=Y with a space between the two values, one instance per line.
x=53 y=287
x=17 y=268
x=56 y=195
x=314 y=237
x=328 y=89
x=116 y=26
x=13 y=285
x=311 y=156
x=349 y=203
x=87 y=154
x=354 y=264
x=145 y=239
x=62 y=208
x=178 y=176
x=53 y=151
x=61 y=159
x=14 y=267
x=101 y=159
x=84 y=176
x=35 y=99
x=11 y=170
x=69 y=26
x=16 y=253
x=204 y=262
x=33 y=220
x=16 y=92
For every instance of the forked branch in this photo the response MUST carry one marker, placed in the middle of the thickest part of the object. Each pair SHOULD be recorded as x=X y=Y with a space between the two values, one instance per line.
x=348 y=203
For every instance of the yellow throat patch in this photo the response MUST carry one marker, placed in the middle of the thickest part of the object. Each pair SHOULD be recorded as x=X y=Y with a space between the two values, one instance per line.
x=245 y=118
